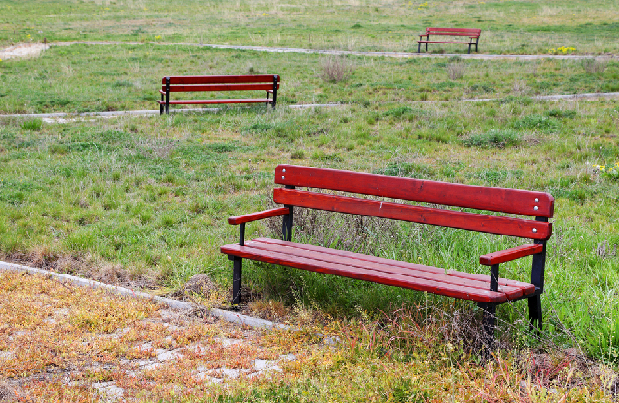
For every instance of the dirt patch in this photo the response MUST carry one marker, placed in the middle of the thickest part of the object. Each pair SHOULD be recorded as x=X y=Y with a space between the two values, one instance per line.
x=23 y=50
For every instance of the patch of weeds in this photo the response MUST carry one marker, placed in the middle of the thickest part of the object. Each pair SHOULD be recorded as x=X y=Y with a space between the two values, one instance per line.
x=537 y=122
x=593 y=66
x=558 y=113
x=322 y=156
x=610 y=171
x=481 y=88
x=32 y=124
x=122 y=83
x=406 y=111
x=399 y=111
x=221 y=147
x=297 y=155
x=493 y=138
x=494 y=177
x=410 y=169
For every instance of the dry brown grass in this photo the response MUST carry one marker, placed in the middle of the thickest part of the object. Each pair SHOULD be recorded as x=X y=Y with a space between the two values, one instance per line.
x=63 y=343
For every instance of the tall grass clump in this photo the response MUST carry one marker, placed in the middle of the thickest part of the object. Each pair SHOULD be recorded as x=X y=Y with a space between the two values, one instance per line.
x=593 y=66
x=456 y=70
x=335 y=69
x=32 y=124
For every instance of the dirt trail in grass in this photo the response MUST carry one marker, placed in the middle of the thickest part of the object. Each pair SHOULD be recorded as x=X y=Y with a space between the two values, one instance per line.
x=354 y=53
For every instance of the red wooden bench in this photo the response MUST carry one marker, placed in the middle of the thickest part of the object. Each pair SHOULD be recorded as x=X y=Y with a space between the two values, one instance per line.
x=471 y=33
x=488 y=290
x=256 y=82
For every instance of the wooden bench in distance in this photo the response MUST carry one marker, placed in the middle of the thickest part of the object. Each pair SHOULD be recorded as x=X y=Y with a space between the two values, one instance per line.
x=471 y=33
x=256 y=82
x=488 y=290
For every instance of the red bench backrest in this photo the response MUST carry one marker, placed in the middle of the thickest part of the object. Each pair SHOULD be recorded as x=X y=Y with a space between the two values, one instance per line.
x=455 y=31
x=510 y=201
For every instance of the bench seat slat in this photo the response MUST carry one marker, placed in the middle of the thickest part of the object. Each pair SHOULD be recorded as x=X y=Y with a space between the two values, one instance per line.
x=511 y=201
x=444 y=42
x=364 y=273
x=396 y=263
x=356 y=260
x=425 y=215
x=218 y=101
x=218 y=87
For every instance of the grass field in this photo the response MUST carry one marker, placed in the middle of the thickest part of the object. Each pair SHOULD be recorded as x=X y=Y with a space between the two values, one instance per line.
x=511 y=27
x=144 y=200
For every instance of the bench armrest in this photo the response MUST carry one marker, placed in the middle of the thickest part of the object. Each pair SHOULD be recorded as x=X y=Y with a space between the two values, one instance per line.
x=510 y=254
x=236 y=220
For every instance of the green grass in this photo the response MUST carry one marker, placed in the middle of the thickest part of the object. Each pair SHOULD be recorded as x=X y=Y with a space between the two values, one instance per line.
x=82 y=78
x=507 y=26
x=150 y=195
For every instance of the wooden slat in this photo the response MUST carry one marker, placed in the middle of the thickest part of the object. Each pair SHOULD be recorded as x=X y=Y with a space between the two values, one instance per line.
x=358 y=261
x=435 y=287
x=218 y=101
x=425 y=215
x=466 y=43
x=254 y=78
x=466 y=30
x=218 y=87
x=512 y=201
x=449 y=34
x=235 y=220
x=510 y=254
x=526 y=287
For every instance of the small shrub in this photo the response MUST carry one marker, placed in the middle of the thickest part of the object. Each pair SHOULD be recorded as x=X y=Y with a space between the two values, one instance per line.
x=456 y=70
x=32 y=124
x=335 y=69
x=493 y=138
x=593 y=66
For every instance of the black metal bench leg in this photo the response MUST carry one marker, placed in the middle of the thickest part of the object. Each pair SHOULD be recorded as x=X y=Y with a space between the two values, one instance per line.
x=419 y=47
x=470 y=48
x=236 y=281
x=535 y=313
x=489 y=324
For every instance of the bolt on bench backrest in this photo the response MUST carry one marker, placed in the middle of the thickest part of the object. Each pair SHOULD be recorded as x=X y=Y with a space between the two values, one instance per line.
x=265 y=82
x=510 y=201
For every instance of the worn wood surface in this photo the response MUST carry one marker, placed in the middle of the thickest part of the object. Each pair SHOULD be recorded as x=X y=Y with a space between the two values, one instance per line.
x=445 y=218
x=251 y=78
x=235 y=220
x=511 y=201
x=510 y=254
x=384 y=271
